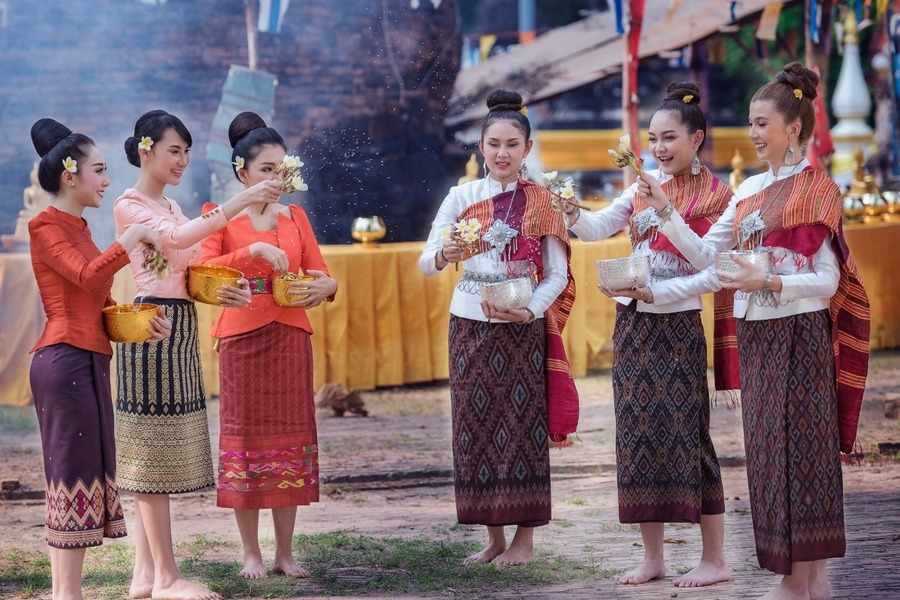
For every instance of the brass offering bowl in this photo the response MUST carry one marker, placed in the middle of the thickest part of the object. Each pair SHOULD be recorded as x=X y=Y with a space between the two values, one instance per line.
x=624 y=273
x=204 y=280
x=510 y=293
x=368 y=230
x=281 y=285
x=129 y=323
x=760 y=258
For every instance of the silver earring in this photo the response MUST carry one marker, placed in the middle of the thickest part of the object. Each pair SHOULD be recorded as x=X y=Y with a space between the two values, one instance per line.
x=789 y=156
x=695 y=165
x=484 y=169
x=523 y=171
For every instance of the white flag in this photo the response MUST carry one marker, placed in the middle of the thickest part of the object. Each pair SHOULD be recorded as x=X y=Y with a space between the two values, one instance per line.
x=271 y=14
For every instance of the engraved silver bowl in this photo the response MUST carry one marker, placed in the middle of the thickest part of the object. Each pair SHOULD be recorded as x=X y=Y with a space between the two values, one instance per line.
x=760 y=258
x=624 y=273
x=507 y=294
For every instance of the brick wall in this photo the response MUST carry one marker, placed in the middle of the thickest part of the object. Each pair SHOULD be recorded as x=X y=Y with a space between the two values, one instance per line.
x=368 y=147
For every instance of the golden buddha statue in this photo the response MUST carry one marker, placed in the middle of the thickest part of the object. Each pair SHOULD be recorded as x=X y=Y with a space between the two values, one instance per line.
x=737 y=176
x=35 y=200
x=471 y=171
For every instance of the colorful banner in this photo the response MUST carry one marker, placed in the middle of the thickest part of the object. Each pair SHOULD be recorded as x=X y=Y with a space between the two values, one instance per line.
x=271 y=15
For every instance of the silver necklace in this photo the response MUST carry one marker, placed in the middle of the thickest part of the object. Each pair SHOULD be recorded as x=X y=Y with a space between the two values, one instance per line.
x=753 y=224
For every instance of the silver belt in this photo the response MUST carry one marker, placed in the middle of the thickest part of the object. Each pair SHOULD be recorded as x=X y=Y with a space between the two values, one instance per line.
x=471 y=282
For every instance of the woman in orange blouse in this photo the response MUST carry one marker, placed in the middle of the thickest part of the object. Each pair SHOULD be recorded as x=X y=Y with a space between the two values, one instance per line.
x=70 y=368
x=268 y=454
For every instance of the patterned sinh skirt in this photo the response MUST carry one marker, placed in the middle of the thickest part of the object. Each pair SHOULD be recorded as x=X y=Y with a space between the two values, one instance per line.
x=74 y=409
x=268 y=456
x=667 y=469
x=162 y=434
x=789 y=402
x=501 y=456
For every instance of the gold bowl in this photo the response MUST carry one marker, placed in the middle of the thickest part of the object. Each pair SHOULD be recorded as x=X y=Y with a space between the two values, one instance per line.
x=510 y=293
x=129 y=322
x=760 y=258
x=624 y=273
x=281 y=285
x=204 y=280
x=368 y=230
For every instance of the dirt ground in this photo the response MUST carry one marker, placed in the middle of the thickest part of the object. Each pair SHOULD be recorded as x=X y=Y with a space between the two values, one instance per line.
x=390 y=475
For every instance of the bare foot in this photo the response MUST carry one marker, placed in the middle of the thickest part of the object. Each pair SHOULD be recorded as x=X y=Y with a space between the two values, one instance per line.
x=140 y=589
x=485 y=556
x=290 y=568
x=646 y=571
x=706 y=573
x=515 y=556
x=783 y=592
x=182 y=589
x=253 y=568
x=818 y=589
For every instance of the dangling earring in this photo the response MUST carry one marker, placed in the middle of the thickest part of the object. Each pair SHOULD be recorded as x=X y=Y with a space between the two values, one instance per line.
x=695 y=165
x=523 y=171
x=484 y=169
x=789 y=156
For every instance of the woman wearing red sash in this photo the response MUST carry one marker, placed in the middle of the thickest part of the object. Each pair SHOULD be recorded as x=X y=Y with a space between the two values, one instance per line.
x=803 y=333
x=668 y=471
x=510 y=384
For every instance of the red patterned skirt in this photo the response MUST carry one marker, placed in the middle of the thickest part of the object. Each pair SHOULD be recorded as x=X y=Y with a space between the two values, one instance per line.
x=268 y=453
x=73 y=401
x=666 y=466
x=501 y=458
x=789 y=404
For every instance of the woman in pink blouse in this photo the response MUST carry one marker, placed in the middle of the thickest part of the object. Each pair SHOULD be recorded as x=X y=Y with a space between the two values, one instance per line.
x=162 y=434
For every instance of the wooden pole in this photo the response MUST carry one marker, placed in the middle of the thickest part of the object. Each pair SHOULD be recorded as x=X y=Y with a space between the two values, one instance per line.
x=250 y=15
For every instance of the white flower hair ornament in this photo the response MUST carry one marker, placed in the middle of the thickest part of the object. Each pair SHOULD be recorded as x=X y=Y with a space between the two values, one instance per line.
x=70 y=164
x=238 y=162
x=146 y=143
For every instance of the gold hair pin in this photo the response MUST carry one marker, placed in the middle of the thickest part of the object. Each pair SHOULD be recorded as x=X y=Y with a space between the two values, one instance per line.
x=523 y=111
x=687 y=99
x=798 y=93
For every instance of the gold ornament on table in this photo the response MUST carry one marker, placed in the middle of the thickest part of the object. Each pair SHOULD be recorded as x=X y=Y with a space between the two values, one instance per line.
x=129 y=323
x=864 y=200
x=368 y=230
x=737 y=176
x=623 y=155
x=289 y=173
x=281 y=285
x=471 y=171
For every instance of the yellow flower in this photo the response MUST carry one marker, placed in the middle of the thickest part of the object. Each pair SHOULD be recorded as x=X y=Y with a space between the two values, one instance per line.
x=798 y=93
x=70 y=165
x=623 y=156
x=470 y=237
x=550 y=176
x=567 y=192
x=473 y=225
x=687 y=98
x=523 y=111
x=298 y=183
x=292 y=162
x=146 y=143
x=447 y=233
x=238 y=162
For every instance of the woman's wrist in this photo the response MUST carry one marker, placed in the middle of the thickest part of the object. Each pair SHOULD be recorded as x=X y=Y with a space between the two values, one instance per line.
x=666 y=211
x=528 y=317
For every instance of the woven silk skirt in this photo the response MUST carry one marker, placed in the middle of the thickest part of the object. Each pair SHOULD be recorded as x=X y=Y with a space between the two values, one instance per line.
x=74 y=408
x=789 y=400
x=667 y=469
x=162 y=433
x=268 y=457
x=501 y=457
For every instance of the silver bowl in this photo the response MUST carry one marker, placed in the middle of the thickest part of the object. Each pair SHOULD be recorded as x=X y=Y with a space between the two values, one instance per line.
x=624 y=273
x=760 y=258
x=507 y=294
x=368 y=230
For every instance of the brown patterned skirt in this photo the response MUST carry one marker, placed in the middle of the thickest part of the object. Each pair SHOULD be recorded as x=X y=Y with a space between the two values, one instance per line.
x=789 y=403
x=501 y=456
x=268 y=457
x=162 y=433
x=667 y=469
x=74 y=408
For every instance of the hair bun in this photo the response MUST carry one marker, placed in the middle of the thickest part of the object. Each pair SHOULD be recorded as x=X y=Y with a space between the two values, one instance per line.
x=682 y=90
x=243 y=124
x=46 y=133
x=800 y=78
x=504 y=100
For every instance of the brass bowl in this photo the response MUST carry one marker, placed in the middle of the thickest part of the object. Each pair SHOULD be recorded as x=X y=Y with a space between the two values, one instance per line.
x=624 y=273
x=129 y=323
x=204 y=280
x=760 y=258
x=368 y=230
x=510 y=293
x=281 y=285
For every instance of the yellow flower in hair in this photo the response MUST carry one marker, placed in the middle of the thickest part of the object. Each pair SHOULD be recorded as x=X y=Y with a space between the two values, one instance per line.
x=523 y=111
x=146 y=143
x=687 y=98
x=70 y=165
x=238 y=162
x=798 y=93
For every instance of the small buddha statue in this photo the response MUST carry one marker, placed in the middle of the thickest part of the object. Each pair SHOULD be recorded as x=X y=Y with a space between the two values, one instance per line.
x=35 y=200
x=471 y=171
x=736 y=177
